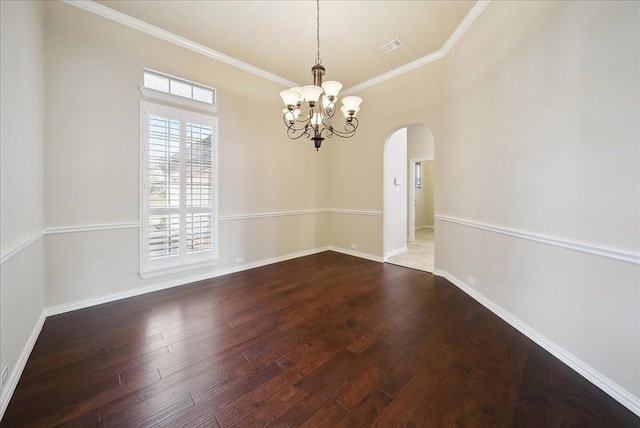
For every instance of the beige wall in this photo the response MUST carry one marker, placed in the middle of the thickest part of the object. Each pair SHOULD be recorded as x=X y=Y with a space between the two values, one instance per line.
x=358 y=185
x=540 y=136
x=535 y=132
x=94 y=69
x=21 y=170
x=424 y=196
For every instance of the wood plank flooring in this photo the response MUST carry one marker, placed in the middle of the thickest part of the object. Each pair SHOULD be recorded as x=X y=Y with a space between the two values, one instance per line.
x=326 y=340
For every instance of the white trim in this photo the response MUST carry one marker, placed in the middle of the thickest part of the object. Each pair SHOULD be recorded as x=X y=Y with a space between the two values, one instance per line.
x=139 y=25
x=395 y=253
x=356 y=254
x=475 y=11
x=175 y=269
x=16 y=373
x=19 y=247
x=182 y=259
x=610 y=253
x=135 y=224
x=356 y=212
x=299 y=212
x=81 y=304
x=393 y=73
x=175 y=99
x=271 y=214
x=167 y=36
x=619 y=393
x=90 y=228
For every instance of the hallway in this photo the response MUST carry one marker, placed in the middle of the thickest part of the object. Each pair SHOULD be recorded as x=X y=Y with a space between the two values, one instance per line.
x=419 y=254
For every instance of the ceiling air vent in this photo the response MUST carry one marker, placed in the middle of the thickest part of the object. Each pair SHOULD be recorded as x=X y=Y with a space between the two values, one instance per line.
x=391 y=46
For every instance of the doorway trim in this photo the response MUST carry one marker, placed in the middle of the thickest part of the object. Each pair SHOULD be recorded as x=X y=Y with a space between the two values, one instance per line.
x=412 y=195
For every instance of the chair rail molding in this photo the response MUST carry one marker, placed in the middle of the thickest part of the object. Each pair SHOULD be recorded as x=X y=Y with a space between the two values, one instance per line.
x=611 y=253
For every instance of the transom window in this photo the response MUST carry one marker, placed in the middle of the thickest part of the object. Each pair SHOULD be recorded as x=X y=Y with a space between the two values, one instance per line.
x=170 y=85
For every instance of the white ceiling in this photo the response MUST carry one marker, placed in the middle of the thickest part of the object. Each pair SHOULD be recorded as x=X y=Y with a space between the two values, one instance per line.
x=280 y=36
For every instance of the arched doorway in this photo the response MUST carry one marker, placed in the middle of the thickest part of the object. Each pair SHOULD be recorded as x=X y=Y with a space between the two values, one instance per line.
x=408 y=202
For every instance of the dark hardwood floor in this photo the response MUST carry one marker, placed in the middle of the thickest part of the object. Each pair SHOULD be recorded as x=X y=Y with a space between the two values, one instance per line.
x=325 y=340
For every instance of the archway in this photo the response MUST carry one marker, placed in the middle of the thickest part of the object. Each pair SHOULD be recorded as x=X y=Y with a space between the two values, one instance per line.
x=404 y=148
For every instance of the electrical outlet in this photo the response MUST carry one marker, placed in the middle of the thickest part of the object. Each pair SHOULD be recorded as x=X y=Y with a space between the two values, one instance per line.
x=471 y=281
x=354 y=246
x=5 y=373
x=239 y=260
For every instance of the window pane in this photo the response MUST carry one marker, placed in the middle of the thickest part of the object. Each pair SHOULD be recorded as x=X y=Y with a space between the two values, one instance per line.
x=164 y=235
x=202 y=94
x=156 y=82
x=198 y=232
x=164 y=162
x=198 y=153
x=179 y=88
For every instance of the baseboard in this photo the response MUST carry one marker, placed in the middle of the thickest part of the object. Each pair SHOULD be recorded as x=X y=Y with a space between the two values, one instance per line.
x=424 y=227
x=12 y=381
x=619 y=393
x=395 y=253
x=357 y=254
x=82 y=304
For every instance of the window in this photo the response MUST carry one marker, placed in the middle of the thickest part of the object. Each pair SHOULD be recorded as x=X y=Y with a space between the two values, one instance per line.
x=418 y=175
x=174 y=90
x=179 y=190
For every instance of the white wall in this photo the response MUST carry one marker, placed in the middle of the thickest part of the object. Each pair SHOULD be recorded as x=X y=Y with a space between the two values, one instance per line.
x=395 y=201
x=540 y=138
x=21 y=176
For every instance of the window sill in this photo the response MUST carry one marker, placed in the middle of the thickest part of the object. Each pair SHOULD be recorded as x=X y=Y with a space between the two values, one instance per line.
x=144 y=274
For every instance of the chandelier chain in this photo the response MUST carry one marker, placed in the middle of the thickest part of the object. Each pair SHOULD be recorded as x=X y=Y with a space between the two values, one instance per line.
x=318 y=60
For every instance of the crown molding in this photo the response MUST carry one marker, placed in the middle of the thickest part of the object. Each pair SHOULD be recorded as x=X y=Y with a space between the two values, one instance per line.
x=137 y=24
x=475 y=11
x=152 y=30
x=395 y=72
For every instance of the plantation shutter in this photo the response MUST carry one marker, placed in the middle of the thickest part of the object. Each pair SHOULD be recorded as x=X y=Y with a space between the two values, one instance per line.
x=179 y=206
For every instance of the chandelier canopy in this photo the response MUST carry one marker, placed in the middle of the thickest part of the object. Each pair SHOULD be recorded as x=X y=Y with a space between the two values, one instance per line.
x=313 y=119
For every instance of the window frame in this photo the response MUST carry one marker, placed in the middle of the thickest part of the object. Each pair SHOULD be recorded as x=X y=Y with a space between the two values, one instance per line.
x=173 y=98
x=184 y=260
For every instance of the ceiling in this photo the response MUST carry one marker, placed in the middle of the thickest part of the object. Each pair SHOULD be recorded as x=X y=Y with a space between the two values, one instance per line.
x=280 y=36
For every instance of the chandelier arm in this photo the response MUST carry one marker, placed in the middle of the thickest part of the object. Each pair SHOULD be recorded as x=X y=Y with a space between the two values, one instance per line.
x=291 y=133
x=349 y=129
x=327 y=115
x=292 y=126
x=294 y=132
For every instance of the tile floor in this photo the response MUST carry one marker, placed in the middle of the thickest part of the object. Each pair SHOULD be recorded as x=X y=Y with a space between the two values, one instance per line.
x=419 y=254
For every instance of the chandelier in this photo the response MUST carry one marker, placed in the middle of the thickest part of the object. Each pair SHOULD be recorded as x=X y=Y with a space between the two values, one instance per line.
x=313 y=120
